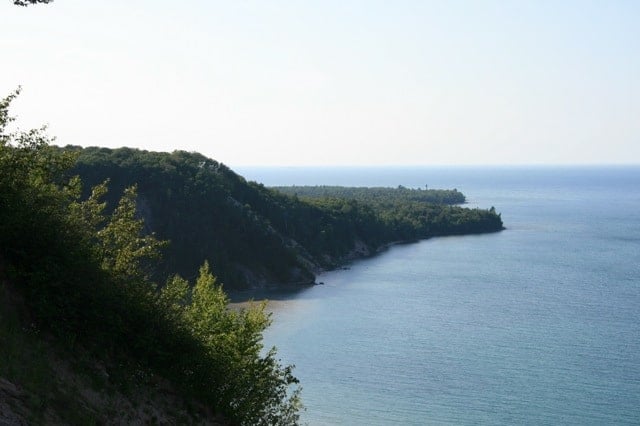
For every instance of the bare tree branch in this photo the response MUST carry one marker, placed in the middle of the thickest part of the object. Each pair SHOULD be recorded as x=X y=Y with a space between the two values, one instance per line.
x=28 y=2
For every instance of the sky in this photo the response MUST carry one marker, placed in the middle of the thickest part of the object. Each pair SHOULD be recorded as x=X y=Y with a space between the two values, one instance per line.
x=344 y=82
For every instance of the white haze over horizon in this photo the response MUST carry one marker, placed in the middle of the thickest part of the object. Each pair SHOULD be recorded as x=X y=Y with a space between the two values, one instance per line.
x=295 y=83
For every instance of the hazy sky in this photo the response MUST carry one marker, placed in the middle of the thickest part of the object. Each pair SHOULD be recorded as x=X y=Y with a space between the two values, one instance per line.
x=333 y=82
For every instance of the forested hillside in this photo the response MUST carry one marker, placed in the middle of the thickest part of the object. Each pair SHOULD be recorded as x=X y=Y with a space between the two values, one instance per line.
x=77 y=299
x=376 y=195
x=255 y=236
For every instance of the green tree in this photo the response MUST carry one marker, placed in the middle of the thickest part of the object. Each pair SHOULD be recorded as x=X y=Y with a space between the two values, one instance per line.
x=255 y=388
x=124 y=248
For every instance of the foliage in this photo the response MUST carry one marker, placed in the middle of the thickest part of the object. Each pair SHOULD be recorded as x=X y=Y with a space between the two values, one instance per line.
x=253 y=234
x=234 y=337
x=399 y=214
x=205 y=210
x=376 y=195
x=83 y=272
x=122 y=248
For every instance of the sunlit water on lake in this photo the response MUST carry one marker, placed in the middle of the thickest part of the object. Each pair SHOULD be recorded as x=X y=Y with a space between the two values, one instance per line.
x=538 y=324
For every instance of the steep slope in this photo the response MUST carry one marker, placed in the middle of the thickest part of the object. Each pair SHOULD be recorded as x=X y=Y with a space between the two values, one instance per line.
x=205 y=210
x=42 y=381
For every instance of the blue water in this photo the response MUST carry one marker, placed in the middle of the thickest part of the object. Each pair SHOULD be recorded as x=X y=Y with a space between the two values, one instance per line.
x=538 y=324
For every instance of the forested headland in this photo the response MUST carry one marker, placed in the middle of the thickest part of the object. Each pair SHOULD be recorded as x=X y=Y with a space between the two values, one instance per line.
x=379 y=196
x=255 y=236
x=113 y=261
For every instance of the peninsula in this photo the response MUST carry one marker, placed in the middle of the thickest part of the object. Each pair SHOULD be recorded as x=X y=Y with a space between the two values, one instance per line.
x=259 y=237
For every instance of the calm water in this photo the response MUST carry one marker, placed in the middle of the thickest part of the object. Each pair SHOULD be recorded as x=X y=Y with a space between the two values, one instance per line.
x=539 y=324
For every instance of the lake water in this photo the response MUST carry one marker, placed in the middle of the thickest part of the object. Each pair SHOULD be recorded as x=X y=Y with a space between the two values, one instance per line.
x=538 y=324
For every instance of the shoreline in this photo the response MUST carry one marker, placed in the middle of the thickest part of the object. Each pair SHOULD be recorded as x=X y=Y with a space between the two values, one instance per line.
x=279 y=292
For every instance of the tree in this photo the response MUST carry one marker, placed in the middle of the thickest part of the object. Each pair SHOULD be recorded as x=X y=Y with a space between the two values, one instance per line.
x=28 y=2
x=124 y=249
x=253 y=389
